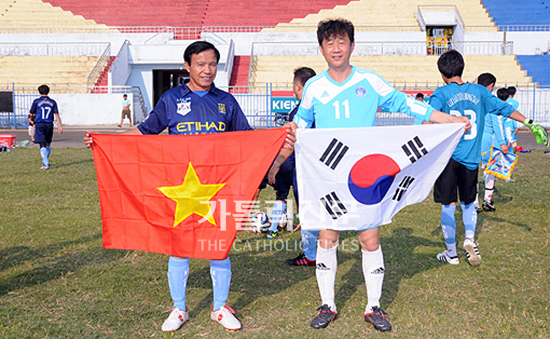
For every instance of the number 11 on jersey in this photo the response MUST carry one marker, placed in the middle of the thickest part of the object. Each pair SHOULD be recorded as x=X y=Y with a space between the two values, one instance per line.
x=336 y=105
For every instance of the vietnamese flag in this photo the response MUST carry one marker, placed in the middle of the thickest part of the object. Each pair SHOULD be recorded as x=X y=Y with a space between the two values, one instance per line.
x=182 y=195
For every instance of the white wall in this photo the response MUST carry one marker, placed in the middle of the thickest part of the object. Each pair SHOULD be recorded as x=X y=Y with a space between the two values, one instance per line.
x=91 y=109
x=528 y=43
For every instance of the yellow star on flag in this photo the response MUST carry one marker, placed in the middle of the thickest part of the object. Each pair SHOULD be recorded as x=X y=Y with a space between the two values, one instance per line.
x=192 y=197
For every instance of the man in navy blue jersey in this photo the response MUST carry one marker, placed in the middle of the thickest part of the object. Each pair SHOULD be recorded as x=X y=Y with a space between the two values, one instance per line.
x=196 y=107
x=42 y=112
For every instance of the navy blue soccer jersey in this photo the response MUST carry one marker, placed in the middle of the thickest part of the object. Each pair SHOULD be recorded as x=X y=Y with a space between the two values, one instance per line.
x=44 y=108
x=472 y=101
x=184 y=112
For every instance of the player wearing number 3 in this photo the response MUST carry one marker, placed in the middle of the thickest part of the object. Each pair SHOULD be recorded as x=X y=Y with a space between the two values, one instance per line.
x=43 y=111
x=473 y=101
x=347 y=96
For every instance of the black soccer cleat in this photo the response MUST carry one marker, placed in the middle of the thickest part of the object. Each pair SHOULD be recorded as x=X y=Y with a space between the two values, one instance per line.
x=324 y=317
x=488 y=206
x=301 y=260
x=378 y=320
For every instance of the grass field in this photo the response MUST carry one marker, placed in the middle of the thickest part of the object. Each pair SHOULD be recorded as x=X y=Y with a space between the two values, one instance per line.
x=56 y=281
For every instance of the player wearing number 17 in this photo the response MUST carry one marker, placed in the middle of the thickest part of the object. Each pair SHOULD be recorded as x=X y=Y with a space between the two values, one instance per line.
x=43 y=111
x=473 y=101
x=347 y=96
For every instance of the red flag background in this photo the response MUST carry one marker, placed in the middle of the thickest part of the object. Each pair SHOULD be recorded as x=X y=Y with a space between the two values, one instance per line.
x=136 y=215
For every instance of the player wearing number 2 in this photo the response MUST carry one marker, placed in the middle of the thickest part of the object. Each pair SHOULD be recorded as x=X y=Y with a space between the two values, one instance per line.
x=43 y=110
x=347 y=96
x=473 y=101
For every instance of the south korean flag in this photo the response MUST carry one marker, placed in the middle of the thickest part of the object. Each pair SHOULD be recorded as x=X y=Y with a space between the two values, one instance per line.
x=353 y=178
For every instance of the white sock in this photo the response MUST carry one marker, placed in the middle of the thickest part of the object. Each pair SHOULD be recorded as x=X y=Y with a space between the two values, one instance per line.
x=489 y=187
x=327 y=264
x=373 y=271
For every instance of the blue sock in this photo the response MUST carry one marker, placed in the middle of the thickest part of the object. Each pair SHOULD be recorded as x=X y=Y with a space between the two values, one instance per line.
x=448 y=226
x=178 y=272
x=469 y=217
x=44 y=154
x=279 y=209
x=309 y=243
x=220 y=271
x=49 y=150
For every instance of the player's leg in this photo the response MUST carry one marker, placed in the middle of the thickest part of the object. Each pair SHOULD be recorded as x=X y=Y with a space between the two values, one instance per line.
x=282 y=188
x=467 y=181
x=325 y=272
x=373 y=272
x=489 y=191
x=220 y=271
x=445 y=193
x=178 y=273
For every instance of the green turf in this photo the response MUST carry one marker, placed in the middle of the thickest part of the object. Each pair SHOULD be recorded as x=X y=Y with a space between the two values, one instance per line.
x=56 y=281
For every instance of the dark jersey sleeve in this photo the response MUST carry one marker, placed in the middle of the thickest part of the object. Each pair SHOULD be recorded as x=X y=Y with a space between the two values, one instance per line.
x=157 y=120
x=239 y=121
x=33 y=108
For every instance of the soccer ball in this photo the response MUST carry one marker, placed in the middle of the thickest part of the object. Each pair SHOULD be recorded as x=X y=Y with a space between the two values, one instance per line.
x=260 y=222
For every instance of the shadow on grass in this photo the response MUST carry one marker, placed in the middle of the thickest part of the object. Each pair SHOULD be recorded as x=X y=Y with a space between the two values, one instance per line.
x=400 y=261
x=73 y=163
x=51 y=267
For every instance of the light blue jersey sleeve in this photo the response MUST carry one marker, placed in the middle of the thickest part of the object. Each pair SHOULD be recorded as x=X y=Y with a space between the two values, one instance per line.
x=496 y=123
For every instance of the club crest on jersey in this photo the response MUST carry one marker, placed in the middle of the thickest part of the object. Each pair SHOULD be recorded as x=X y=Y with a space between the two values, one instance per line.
x=361 y=91
x=221 y=108
x=184 y=107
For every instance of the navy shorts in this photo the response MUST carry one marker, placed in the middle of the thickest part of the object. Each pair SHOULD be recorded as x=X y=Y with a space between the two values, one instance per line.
x=284 y=179
x=456 y=175
x=44 y=133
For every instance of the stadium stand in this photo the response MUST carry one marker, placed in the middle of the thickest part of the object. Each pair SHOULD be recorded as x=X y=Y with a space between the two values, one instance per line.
x=396 y=69
x=52 y=70
x=393 y=13
x=35 y=13
x=538 y=67
x=519 y=12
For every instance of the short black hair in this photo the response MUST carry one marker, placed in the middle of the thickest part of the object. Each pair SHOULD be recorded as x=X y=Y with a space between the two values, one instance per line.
x=486 y=79
x=502 y=94
x=420 y=95
x=199 y=47
x=511 y=91
x=303 y=74
x=335 y=27
x=44 y=89
x=451 y=64
x=124 y=96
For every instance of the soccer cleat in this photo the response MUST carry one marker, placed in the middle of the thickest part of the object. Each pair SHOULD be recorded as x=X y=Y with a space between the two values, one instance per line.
x=225 y=317
x=472 y=252
x=174 y=321
x=272 y=234
x=377 y=318
x=301 y=260
x=477 y=207
x=488 y=206
x=445 y=258
x=324 y=317
x=44 y=167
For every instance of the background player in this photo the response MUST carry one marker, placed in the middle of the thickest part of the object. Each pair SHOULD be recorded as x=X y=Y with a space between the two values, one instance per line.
x=473 y=101
x=493 y=135
x=43 y=111
x=204 y=99
x=512 y=125
x=284 y=174
x=358 y=94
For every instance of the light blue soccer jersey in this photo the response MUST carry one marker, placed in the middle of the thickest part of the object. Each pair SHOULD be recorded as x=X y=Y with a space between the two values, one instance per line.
x=354 y=102
x=472 y=101
x=495 y=128
x=511 y=125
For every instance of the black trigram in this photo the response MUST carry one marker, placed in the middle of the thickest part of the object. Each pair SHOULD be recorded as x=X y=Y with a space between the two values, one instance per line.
x=334 y=153
x=333 y=205
x=414 y=149
x=403 y=185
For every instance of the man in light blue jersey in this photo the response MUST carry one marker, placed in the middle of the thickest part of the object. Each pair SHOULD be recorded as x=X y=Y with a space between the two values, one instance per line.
x=512 y=125
x=494 y=135
x=473 y=101
x=42 y=112
x=347 y=96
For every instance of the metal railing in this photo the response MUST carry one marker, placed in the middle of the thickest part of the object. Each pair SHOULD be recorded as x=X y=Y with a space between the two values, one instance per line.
x=387 y=48
x=510 y=28
x=53 y=49
x=99 y=67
